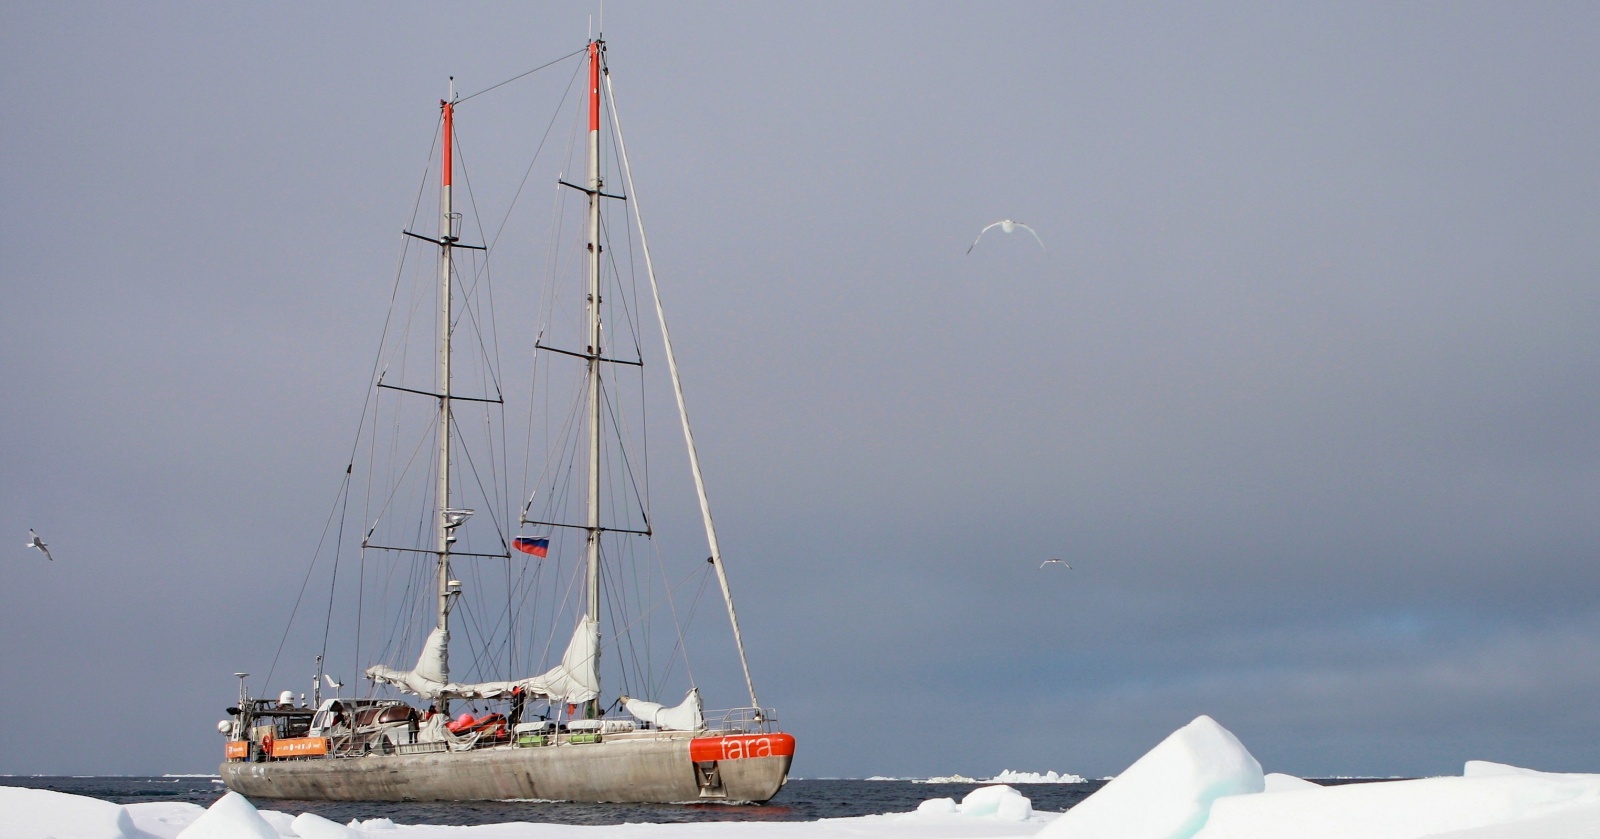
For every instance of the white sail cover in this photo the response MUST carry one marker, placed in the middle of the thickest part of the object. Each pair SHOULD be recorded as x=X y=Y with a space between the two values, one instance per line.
x=687 y=716
x=575 y=679
x=427 y=677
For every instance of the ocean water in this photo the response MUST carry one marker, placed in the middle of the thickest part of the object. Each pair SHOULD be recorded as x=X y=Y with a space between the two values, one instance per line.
x=800 y=800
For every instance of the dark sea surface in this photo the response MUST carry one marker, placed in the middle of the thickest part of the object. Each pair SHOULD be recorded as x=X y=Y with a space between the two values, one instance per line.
x=800 y=800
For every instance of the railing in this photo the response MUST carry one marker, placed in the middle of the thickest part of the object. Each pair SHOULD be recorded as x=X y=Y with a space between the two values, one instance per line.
x=742 y=721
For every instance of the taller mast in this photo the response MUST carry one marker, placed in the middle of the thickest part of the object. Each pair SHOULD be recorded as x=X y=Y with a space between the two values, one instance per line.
x=445 y=522
x=593 y=523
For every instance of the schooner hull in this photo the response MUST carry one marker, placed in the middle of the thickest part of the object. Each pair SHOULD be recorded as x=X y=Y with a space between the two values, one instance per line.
x=614 y=771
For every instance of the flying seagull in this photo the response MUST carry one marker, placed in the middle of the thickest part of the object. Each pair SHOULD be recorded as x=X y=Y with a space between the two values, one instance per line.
x=1057 y=562
x=1006 y=225
x=35 y=542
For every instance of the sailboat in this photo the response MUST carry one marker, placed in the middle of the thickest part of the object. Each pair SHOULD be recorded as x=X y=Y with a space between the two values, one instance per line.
x=400 y=740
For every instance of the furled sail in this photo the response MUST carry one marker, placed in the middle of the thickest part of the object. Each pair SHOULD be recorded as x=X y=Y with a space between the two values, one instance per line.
x=427 y=677
x=575 y=679
x=687 y=716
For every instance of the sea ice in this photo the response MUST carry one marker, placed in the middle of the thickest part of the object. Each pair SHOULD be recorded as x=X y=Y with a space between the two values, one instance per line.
x=1199 y=783
x=1570 y=822
x=43 y=814
x=1168 y=793
x=313 y=826
x=1397 y=809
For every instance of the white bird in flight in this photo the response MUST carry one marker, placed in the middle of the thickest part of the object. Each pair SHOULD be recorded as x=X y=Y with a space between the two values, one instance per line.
x=35 y=542
x=1007 y=225
x=1056 y=561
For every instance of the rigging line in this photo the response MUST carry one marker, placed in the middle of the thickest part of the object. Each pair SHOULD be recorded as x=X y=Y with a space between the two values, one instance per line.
x=469 y=293
x=344 y=485
x=528 y=588
x=490 y=372
x=627 y=465
x=529 y=73
x=370 y=401
x=333 y=585
x=639 y=595
x=575 y=578
x=667 y=585
x=632 y=264
x=683 y=411
x=469 y=622
x=384 y=508
x=566 y=452
x=496 y=498
x=672 y=608
x=642 y=497
x=473 y=467
x=682 y=643
x=577 y=70
x=631 y=651
x=549 y=298
x=616 y=278
x=490 y=376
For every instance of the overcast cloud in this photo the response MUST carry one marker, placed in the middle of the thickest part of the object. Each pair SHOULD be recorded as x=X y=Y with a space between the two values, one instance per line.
x=1305 y=387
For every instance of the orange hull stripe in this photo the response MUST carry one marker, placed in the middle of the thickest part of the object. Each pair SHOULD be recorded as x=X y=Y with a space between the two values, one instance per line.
x=740 y=746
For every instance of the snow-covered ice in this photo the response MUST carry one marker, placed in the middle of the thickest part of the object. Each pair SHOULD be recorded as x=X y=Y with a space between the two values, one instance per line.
x=1199 y=783
x=1401 y=809
x=232 y=817
x=1000 y=802
x=1168 y=792
x=38 y=813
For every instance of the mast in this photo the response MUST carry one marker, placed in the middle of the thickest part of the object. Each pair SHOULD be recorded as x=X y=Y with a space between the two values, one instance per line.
x=446 y=522
x=593 y=521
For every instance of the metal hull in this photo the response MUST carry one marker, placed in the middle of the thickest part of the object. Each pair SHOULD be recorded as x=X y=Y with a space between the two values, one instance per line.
x=643 y=770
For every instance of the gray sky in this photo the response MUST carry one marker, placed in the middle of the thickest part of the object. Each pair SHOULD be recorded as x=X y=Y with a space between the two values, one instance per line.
x=1305 y=388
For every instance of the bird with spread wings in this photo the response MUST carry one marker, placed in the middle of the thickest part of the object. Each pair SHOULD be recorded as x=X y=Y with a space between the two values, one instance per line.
x=35 y=542
x=1006 y=226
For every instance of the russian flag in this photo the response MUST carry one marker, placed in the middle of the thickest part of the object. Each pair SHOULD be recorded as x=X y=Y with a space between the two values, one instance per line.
x=539 y=547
